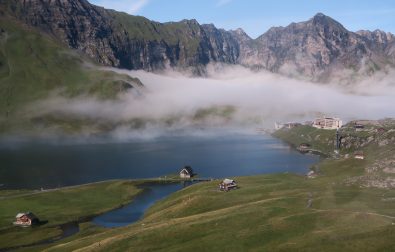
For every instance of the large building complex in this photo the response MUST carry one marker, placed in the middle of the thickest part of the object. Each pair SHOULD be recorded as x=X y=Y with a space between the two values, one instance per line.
x=327 y=123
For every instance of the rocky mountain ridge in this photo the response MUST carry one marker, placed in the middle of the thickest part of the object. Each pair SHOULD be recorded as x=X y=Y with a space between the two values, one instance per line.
x=315 y=48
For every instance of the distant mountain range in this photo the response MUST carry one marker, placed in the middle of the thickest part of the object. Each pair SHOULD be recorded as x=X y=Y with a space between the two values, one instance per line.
x=314 y=48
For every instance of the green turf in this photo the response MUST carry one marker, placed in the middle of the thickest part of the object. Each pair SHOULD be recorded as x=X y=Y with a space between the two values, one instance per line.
x=34 y=66
x=270 y=212
x=58 y=207
x=267 y=213
x=320 y=139
x=172 y=33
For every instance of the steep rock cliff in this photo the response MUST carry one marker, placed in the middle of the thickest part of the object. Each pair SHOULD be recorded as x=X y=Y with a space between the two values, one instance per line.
x=315 y=49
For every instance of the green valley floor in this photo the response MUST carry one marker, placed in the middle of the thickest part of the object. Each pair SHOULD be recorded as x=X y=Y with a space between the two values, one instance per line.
x=275 y=212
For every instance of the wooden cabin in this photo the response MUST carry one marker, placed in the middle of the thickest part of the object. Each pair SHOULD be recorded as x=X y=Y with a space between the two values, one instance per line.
x=227 y=184
x=186 y=172
x=26 y=219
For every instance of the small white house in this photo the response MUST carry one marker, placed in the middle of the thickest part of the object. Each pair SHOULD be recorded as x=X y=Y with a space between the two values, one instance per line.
x=186 y=172
x=227 y=184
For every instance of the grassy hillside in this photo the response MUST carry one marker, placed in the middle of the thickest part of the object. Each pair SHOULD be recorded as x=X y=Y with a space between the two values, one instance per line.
x=34 y=66
x=172 y=32
x=58 y=207
x=267 y=213
x=319 y=139
x=349 y=206
x=375 y=133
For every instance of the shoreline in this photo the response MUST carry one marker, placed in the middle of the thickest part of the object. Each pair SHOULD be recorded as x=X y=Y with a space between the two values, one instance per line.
x=312 y=151
x=141 y=184
x=138 y=183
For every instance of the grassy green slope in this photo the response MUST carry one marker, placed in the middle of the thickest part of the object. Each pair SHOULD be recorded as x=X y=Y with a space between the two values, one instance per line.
x=319 y=139
x=58 y=207
x=267 y=213
x=352 y=140
x=172 y=33
x=33 y=65
x=272 y=212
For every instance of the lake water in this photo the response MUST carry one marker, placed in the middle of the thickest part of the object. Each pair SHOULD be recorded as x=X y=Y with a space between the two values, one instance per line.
x=134 y=211
x=49 y=165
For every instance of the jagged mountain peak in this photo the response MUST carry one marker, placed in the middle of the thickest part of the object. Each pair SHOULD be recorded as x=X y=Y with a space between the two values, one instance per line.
x=377 y=35
x=310 y=48
x=320 y=15
x=240 y=32
x=318 y=24
x=315 y=48
x=190 y=21
x=322 y=20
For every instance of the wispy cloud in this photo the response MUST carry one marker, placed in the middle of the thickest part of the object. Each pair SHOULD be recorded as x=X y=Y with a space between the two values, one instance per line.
x=221 y=3
x=129 y=6
x=136 y=6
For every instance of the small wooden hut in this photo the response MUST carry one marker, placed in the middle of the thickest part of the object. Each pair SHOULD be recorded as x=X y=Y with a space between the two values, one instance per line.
x=227 y=184
x=186 y=172
x=26 y=219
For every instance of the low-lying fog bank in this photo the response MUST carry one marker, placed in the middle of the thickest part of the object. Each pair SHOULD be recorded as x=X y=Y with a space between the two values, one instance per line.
x=230 y=97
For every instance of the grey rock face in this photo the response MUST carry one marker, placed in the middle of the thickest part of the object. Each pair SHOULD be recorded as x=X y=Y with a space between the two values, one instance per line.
x=76 y=23
x=314 y=49
x=125 y=41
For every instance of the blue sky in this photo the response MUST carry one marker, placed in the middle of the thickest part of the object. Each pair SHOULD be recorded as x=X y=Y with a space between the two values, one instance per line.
x=257 y=16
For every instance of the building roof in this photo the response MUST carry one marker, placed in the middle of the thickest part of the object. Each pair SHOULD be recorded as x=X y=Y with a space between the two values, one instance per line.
x=188 y=169
x=19 y=215
x=228 y=181
x=30 y=215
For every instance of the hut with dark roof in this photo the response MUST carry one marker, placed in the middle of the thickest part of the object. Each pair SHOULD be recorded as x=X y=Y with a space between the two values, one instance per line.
x=26 y=219
x=186 y=172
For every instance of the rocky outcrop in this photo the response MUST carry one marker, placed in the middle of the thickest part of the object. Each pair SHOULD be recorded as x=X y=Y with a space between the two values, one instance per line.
x=125 y=41
x=315 y=49
x=223 y=46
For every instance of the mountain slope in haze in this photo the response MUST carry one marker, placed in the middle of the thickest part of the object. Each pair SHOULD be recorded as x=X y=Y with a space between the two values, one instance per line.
x=34 y=66
x=316 y=48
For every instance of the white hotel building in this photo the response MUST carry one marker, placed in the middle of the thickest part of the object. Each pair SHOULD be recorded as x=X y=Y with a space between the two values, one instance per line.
x=327 y=123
